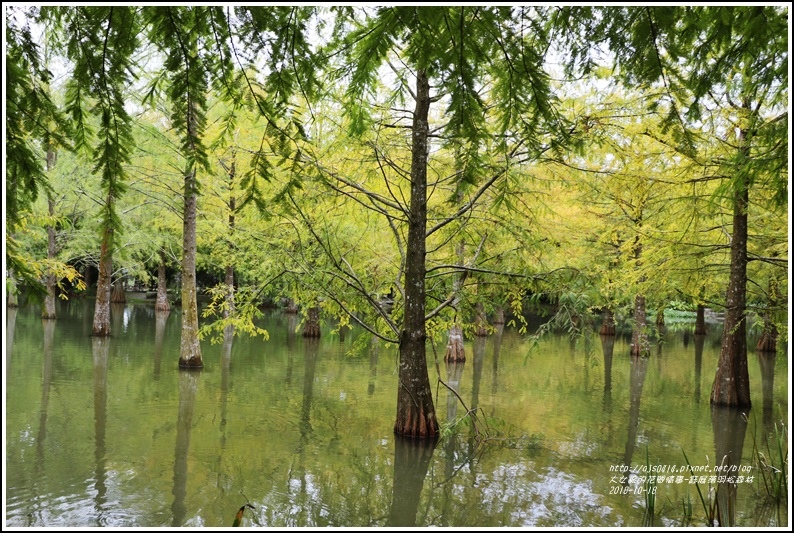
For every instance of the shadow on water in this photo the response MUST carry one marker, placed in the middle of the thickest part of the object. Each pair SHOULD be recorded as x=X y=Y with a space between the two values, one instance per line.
x=497 y=346
x=478 y=351
x=100 y=347
x=188 y=383
x=639 y=368
x=730 y=426
x=608 y=347
x=11 y=322
x=374 y=354
x=454 y=376
x=226 y=361
x=411 y=461
x=292 y=326
x=298 y=470
x=39 y=468
x=700 y=340
x=766 y=361
x=160 y=319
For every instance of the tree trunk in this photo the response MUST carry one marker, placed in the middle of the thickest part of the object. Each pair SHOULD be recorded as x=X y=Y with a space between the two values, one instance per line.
x=118 y=295
x=455 y=351
x=499 y=316
x=229 y=279
x=229 y=282
x=311 y=328
x=162 y=305
x=480 y=321
x=90 y=275
x=189 y=348
x=639 y=335
x=660 y=320
x=416 y=415
x=732 y=383
x=291 y=308
x=700 y=320
x=101 y=326
x=11 y=289
x=768 y=340
x=607 y=323
x=48 y=312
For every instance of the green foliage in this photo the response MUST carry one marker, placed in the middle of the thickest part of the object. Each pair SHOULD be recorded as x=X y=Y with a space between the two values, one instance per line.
x=240 y=313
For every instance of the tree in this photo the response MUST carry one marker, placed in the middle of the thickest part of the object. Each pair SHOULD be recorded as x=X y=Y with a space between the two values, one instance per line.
x=100 y=43
x=705 y=57
x=478 y=60
x=32 y=120
x=178 y=32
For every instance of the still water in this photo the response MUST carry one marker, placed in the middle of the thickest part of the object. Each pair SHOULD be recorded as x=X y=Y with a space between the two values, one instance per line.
x=108 y=432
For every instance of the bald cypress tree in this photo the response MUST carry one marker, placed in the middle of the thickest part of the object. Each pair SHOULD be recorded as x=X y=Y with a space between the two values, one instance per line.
x=708 y=60
x=486 y=64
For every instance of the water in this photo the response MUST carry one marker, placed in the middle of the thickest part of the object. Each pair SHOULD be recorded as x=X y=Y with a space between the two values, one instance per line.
x=108 y=432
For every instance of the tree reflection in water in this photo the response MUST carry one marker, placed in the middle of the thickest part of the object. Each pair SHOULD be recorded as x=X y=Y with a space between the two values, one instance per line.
x=730 y=426
x=188 y=383
x=639 y=367
x=411 y=460
x=100 y=348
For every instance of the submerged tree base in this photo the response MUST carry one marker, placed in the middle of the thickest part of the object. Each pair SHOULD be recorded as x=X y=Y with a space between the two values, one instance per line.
x=455 y=351
x=421 y=425
x=194 y=363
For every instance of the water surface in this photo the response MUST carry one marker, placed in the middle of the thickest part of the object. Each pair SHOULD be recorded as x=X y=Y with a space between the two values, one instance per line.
x=109 y=432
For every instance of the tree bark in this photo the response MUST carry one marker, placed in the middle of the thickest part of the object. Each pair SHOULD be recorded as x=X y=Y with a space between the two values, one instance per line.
x=416 y=415
x=189 y=348
x=229 y=278
x=660 y=320
x=607 y=323
x=101 y=326
x=499 y=316
x=639 y=335
x=311 y=328
x=48 y=312
x=700 y=320
x=732 y=382
x=162 y=305
x=480 y=321
x=455 y=351
x=118 y=296
x=11 y=289
x=768 y=340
